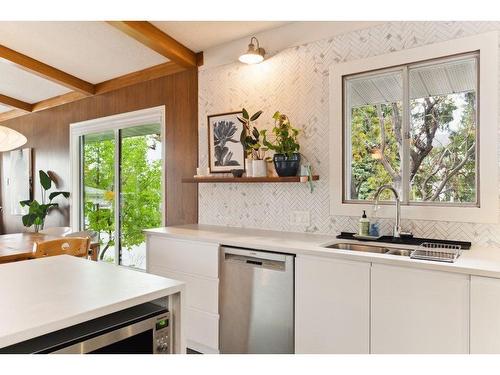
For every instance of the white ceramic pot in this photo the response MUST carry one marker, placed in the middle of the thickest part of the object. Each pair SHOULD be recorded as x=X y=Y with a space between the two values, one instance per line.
x=259 y=168
x=248 y=167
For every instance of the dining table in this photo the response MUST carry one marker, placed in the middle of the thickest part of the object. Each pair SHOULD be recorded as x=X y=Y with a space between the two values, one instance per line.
x=19 y=246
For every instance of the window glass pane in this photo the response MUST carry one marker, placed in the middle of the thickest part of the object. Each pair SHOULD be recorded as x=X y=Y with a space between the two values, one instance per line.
x=140 y=190
x=443 y=132
x=373 y=117
x=98 y=170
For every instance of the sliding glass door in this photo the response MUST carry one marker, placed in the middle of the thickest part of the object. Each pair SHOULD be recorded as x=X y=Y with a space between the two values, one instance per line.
x=98 y=192
x=140 y=190
x=120 y=186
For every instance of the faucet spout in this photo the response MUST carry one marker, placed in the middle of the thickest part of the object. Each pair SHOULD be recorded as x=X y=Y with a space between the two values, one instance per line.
x=396 y=232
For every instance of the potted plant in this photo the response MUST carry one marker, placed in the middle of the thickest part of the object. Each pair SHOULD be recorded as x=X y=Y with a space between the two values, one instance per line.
x=285 y=145
x=37 y=211
x=250 y=139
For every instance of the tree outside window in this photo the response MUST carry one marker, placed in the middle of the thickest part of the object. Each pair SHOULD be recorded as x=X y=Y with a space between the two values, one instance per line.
x=442 y=127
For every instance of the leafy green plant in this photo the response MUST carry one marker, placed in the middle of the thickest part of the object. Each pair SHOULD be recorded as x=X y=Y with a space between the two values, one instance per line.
x=285 y=136
x=37 y=211
x=250 y=136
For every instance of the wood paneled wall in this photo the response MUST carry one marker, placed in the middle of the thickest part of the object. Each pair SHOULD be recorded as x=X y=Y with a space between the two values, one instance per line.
x=48 y=135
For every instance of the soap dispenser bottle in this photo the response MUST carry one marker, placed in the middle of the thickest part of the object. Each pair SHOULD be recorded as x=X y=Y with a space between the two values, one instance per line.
x=364 y=225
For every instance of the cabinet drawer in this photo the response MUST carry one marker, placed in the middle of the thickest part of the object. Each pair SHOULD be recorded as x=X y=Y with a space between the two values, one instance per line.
x=201 y=293
x=192 y=257
x=202 y=328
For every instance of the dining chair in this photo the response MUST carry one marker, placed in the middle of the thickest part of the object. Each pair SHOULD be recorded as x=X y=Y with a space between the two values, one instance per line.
x=77 y=246
x=56 y=231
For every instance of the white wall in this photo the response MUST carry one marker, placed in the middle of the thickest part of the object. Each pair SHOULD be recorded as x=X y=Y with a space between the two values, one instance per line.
x=295 y=81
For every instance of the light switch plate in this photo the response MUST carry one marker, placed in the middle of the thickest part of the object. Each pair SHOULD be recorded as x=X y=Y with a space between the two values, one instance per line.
x=302 y=218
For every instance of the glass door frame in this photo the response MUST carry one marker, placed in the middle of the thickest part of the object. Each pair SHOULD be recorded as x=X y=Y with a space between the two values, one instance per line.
x=113 y=123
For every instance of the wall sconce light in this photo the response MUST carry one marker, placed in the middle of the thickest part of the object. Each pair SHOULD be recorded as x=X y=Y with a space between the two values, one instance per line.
x=255 y=54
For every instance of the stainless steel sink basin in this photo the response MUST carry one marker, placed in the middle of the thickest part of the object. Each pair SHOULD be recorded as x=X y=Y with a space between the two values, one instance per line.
x=401 y=252
x=370 y=249
x=357 y=247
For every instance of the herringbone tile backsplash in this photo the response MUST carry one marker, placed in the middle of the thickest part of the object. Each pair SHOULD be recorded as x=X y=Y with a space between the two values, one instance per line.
x=295 y=81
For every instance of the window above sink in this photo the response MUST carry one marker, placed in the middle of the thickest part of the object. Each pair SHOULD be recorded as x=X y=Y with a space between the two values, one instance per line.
x=423 y=120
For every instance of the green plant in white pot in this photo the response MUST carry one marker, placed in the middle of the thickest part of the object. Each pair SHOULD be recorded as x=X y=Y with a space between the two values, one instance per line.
x=255 y=163
x=37 y=211
x=285 y=145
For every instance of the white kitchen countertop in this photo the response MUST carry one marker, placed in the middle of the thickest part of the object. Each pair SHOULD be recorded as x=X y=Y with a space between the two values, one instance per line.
x=44 y=295
x=476 y=261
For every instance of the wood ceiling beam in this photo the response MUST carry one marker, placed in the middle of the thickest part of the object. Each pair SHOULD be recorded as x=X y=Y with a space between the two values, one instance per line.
x=144 y=75
x=147 y=74
x=152 y=37
x=46 y=71
x=15 y=103
x=58 y=100
x=4 y=116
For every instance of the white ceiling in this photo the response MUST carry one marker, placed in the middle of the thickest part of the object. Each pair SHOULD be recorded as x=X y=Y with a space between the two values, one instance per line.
x=19 y=84
x=4 y=108
x=199 y=36
x=92 y=51
x=96 y=51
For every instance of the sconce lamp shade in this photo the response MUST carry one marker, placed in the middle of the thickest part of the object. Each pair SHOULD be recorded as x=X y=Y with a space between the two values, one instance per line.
x=254 y=55
x=10 y=139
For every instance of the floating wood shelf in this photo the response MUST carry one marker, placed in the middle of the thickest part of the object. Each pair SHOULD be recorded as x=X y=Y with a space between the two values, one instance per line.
x=246 y=180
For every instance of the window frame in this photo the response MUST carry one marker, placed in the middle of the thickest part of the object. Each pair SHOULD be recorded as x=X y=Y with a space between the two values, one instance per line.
x=404 y=72
x=486 y=208
x=113 y=123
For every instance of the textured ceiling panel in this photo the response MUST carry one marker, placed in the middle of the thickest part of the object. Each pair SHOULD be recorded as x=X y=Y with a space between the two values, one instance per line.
x=19 y=84
x=4 y=108
x=93 y=51
x=199 y=36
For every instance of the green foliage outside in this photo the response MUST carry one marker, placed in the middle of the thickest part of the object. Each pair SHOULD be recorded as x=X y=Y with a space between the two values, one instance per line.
x=140 y=191
x=442 y=149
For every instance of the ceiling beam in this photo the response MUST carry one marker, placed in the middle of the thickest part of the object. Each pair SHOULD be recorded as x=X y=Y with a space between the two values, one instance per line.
x=144 y=75
x=46 y=71
x=58 y=100
x=147 y=74
x=152 y=37
x=15 y=103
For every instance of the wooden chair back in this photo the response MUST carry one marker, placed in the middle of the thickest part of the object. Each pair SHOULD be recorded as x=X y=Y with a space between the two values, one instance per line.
x=77 y=246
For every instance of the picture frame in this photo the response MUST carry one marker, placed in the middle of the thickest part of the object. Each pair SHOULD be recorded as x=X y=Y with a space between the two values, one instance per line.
x=225 y=151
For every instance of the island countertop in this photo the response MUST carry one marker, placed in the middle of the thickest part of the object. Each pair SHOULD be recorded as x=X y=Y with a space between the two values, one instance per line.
x=43 y=295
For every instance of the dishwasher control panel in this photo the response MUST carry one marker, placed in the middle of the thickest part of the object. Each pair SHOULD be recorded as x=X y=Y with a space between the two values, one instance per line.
x=162 y=335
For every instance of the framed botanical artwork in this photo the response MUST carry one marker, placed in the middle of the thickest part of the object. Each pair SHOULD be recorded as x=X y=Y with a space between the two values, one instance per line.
x=225 y=151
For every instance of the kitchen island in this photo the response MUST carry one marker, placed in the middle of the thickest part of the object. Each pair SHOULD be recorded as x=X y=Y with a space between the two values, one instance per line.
x=42 y=296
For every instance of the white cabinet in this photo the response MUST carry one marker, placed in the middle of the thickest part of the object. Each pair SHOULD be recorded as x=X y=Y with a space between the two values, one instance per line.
x=332 y=306
x=485 y=315
x=418 y=311
x=197 y=264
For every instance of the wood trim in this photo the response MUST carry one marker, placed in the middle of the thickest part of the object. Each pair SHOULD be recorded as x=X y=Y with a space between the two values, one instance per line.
x=154 y=72
x=46 y=71
x=19 y=104
x=58 y=100
x=4 y=116
x=241 y=180
x=152 y=37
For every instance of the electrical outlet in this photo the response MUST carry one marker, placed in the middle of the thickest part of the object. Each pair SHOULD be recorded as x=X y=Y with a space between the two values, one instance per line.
x=302 y=218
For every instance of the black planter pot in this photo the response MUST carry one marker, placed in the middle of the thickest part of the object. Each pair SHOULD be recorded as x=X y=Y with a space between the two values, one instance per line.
x=286 y=166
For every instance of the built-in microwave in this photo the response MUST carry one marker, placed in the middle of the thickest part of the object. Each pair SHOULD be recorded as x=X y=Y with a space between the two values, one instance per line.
x=142 y=329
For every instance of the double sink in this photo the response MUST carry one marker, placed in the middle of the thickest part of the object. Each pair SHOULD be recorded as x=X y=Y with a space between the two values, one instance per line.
x=370 y=249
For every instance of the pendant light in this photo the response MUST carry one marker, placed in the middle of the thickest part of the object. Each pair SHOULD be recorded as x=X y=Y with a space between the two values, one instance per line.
x=10 y=139
x=255 y=53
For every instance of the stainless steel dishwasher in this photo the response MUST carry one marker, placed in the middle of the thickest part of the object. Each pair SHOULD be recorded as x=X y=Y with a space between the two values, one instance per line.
x=256 y=302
